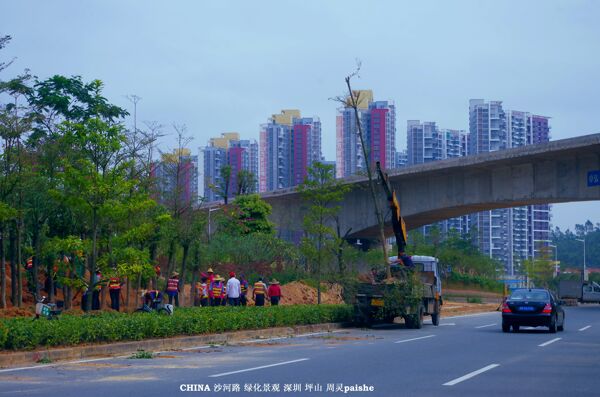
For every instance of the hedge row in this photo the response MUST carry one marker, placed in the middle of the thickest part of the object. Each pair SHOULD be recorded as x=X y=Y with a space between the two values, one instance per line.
x=25 y=333
x=477 y=281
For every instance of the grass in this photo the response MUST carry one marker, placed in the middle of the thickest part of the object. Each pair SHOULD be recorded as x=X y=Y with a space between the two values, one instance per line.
x=474 y=299
x=142 y=354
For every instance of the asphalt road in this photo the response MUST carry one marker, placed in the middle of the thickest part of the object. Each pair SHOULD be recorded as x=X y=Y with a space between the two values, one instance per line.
x=464 y=356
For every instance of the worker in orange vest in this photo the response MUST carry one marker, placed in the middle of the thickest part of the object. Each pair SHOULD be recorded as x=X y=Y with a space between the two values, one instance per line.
x=258 y=292
x=202 y=289
x=216 y=287
x=173 y=288
x=114 y=289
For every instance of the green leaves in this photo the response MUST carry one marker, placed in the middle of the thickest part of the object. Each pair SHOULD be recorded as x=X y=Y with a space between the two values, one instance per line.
x=22 y=333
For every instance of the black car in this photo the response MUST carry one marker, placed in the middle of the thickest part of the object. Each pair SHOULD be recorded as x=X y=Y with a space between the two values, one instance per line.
x=534 y=307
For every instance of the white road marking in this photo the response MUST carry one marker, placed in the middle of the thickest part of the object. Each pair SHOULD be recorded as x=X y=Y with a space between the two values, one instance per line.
x=166 y=351
x=487 y=325
x=447 y=324
x=584 y=328
x=196 y=348
x=549 y=342
x=257 y=368
x=472 y=315
x=470 y=375
x=410 y=340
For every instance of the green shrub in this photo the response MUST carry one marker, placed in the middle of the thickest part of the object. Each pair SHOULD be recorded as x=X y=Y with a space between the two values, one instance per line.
x=23 y=333
x=474 y=299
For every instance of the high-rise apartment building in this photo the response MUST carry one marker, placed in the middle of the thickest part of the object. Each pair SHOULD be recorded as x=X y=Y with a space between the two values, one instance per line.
x=426 y=143
x=176 y=176
x=228 y=149
x=289 y=145
x=514 y=234
x=378 y=122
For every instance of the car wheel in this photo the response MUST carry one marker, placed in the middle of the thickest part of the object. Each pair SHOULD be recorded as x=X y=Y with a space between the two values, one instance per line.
x=516 y=328
x=561 y=327
x=505 y=327
x=552 y=326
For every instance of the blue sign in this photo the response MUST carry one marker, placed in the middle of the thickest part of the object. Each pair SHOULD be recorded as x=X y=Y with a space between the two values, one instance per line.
x=593 y=178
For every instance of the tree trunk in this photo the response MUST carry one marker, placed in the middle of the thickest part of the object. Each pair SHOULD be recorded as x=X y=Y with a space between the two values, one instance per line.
x=92 y=262
x=127 y=289
x=19 y=267
x=138 y=285
x=371 y=182
x=36 y=260
x=171 y=259
x=186 y=250
x=319 y=267
x=3 y=270
x=193 y=290
x=14 y=268
x=50 y=275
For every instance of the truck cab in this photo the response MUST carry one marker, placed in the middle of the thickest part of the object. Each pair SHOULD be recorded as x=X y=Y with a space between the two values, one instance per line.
x=591 y=292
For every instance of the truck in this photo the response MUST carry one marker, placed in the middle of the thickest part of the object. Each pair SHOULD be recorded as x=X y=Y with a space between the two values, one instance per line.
x=414 y=289
x=579 y=291
x=381 y=301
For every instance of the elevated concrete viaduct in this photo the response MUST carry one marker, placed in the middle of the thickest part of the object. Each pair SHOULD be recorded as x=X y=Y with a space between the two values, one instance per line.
x=553 y=172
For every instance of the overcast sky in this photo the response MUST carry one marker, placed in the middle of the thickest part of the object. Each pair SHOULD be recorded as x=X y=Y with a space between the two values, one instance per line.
x=219 y=66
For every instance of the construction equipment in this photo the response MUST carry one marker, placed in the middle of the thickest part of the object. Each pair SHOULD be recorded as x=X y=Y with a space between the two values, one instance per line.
x=415 y=289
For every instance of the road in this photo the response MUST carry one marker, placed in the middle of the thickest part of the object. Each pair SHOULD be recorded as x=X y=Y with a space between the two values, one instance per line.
x=464 y=356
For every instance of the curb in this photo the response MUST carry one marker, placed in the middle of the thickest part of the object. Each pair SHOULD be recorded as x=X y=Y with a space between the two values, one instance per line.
x=13 y=359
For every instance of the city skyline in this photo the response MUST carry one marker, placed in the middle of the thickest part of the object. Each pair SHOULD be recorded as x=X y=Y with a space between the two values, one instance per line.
x=190 y=68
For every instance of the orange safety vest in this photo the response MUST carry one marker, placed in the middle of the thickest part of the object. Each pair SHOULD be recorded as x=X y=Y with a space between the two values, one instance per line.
x=202 y=290
x=259 y=288
x=114 y=283
x=172 y=285
x=217 y=289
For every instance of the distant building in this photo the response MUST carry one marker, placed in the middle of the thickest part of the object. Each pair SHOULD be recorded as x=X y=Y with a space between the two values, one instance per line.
x=176 y=176
x=426 y=143
x=514 y=234
x=401 y=159
x=378 y=121
x=228 y=149
x=289 y=145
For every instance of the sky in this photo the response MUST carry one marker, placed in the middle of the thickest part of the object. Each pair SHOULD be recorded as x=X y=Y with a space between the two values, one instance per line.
x=222 y=66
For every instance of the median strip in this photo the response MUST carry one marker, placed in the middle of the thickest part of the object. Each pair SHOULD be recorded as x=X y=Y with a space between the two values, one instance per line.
x=549 y=342
x=470 y=375
x=584 y=328
x=257 y=368
x=410 y=340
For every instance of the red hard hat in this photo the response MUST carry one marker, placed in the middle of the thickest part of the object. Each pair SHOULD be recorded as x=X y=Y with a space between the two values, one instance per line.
x=231 y=274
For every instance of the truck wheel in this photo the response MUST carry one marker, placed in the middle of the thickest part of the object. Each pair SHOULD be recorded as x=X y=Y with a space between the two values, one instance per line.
x=435 y=318
x=419 y=319
x=408 y=321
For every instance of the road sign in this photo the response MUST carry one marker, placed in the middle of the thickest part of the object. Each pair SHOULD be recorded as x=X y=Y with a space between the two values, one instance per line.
x=593 y=178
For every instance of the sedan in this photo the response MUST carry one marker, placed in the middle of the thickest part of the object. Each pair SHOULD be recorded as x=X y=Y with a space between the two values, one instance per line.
x=534 y=307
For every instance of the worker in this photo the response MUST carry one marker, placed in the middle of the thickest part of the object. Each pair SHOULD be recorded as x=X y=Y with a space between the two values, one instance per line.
x=152 y=298
x=96 y=291
x=210 y=275
x=243 y=290
x=223 y=292
x=233 y=290
x=258 y=292
x=114 y=289
x=216 y=287
x=173 y=289
x=405 y=259
x=274 y=292
x=203 y=292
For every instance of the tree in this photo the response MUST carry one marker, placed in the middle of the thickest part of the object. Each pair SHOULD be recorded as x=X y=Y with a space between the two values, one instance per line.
x=246 y=182
x=94 y=175
x=321 y=193
x=352 y=100
x=247 y=214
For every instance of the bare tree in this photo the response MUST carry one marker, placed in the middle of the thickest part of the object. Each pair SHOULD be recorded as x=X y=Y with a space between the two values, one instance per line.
x=352 y=100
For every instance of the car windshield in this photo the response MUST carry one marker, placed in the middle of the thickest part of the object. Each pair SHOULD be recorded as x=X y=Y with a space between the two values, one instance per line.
x=529 y=296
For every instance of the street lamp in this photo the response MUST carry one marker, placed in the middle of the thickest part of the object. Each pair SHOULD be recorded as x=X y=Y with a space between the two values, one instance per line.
x=584 y=269
x=555 y=259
